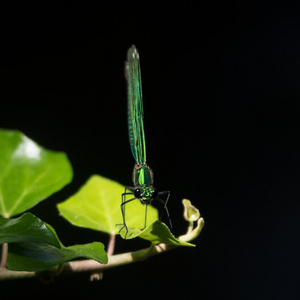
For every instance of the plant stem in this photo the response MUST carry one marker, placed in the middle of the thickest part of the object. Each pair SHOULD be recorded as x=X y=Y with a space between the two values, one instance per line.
x=111 y=245
x=113 y=261
x=4 y=256
x=192 y=234
x=98 y=275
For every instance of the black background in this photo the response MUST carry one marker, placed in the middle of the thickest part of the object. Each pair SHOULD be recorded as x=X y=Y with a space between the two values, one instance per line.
x=221 y=85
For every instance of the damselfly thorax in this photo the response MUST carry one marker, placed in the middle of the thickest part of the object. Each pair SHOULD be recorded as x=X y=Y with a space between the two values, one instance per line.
x=142 y=178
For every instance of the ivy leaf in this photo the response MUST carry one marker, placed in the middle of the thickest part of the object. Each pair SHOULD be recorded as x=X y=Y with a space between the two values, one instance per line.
x=97 y=206
x=28 y=172
x=156 y=233
x=33 y=245
x=27 y=228
x=40 y=256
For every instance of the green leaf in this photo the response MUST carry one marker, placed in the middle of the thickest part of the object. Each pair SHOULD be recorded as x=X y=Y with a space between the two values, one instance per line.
x=27 y=228
x=156 y=233
x=97 y=206
x=28 y=172
x=33 y=245
x=40 y=256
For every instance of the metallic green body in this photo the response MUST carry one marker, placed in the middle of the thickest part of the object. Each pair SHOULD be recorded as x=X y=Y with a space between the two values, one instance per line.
x=143 y=179
x=142 y=174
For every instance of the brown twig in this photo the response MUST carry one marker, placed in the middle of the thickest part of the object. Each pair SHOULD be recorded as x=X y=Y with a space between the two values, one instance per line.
x=4 y=256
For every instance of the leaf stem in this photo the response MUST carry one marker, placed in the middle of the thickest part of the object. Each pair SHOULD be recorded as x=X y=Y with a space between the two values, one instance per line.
x=111 y=245
x=192 y=234
x=98 y=275
x=4 y=256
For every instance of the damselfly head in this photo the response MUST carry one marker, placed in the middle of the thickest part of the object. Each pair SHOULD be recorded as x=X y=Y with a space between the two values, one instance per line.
x=146 y=194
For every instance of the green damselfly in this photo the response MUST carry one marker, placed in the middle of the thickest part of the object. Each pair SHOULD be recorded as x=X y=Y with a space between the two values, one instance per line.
x=143 y=188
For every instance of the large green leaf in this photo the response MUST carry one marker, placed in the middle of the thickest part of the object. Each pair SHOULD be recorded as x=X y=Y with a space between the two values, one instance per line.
x=33 y=245
x=27 y=228
x=28 y=172
x=40 y=256
x=97 y=206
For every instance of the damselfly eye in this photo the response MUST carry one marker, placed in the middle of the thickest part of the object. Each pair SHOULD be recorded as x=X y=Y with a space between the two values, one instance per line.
x=137 y=193
x=154 y=194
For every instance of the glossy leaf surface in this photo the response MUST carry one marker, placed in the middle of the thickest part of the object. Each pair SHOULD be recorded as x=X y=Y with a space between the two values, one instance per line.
x=97 y=206
x=33 y=245
x=40 y=256
x=29 y=173
x=27 y=228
